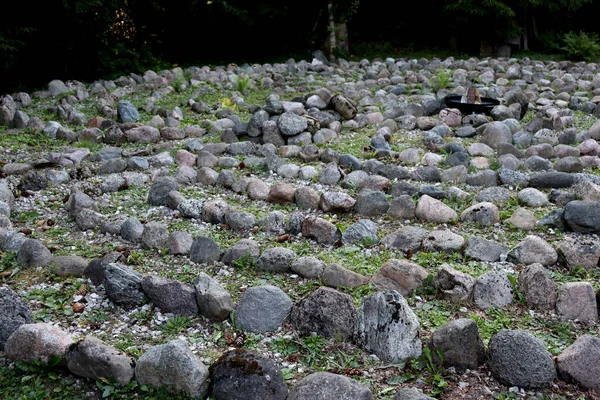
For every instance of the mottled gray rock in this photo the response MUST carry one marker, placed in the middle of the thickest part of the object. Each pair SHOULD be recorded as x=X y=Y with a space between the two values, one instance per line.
x=155 y=236
x=538 y=287
x=405 y=239
x=244 y=375
x=246 y=250
x=262 y=309
x=321 y=230
x=371 y=203
x=326 y=386
x=273 y=223
x=402 y=207
x=402 y=276
x=580 y=362
x=132 y=229
x=171 y=296
x=533 y=249
x=159 y=191
x=337 y=276
x=492 y=289
x=453 y=285
x=460 y=344
x=91 y=358
x=37 y=342
x=482 y=249
x=432 y=210
x=214 y=301
x=326 y=312
x=307 y=198
x=411 y=394
x=443 y=240
x=388 y=327
x=68 y=265
x=33 y=254
x=13 y=313
x=364 y=231
x=205 y=250
x=583 y=216
x=576 y=300
x=532 y=197
x=123 y=286
x=578 y=252
x=522 y=218
x=484 y=213
x=179 y=242
x=517 y=358
x=174 y=366
x=188 y=208
x=275 y=259
x=336 y=202
x=127 y=112
x=495 y=133
x=240 y=221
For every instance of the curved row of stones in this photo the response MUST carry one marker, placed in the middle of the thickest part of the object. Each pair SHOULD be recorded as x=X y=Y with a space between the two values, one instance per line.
x=577 y=225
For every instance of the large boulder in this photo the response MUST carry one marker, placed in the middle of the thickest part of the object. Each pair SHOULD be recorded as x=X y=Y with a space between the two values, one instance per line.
x=580 y=363
x=326 y=386
x=170 y=295
x=459 y=343
x=262 y=309
x=37 y=342
x=214 y=302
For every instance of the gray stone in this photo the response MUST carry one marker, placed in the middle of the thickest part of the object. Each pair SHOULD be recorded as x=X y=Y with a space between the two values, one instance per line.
x=517 y=358
x=326 y=386
x=336 y=202
x=39 y=342
x=492 y=289
x=538 y=287
x=275 y=259
x=484 y=213
x=411 y=394
x=577 y=301
x=578 y=252
x=127 y=112
x=371 y=203
x=337 y=276
x=291 y=124
x=68 y=265
x=321 y=230
x=191 y=208
x=522 y=218
x=495 y=194
x=205 y=250
x=481 y=249
x=326 y=312
x=308 y=267
x=364 y=231
x=123 y=286
x=432 y=210
x=388 y=327
x=159 y=191
x=443 y=240
x=174 y=366
x=155 y=236
x=532 y=197
x=242 y=374
x=552 y=179
x=273 y=223
x=246 y=250
x=402 y=207
x=13 y=313
x=580 y=362
x=214 y=211
x=330 y=175
x=583 y=216
x=171 y=296
x=132 y=230
x=91 y=358
x=214 y=301
x=179 y=243
x=496 y=133
x=407 y=238
x=460 y=344
x=33 y=254
x=262 y=309
x=402 y=276
x=240 y=221
x=143 y=134
x=453 y=285
x=307 y=198
x=533 y=249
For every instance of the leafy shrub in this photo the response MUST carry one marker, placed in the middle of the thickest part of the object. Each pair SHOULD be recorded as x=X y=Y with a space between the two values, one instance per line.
x=441 y=80
x=582 y=46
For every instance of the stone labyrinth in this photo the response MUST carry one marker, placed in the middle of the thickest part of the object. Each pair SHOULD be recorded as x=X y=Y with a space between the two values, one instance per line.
x=306 y=230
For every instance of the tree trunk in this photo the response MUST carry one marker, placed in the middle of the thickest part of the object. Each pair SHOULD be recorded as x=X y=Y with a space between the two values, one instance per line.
x=331 y=28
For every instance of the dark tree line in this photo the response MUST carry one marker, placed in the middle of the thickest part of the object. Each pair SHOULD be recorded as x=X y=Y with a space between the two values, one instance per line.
x=90 y=39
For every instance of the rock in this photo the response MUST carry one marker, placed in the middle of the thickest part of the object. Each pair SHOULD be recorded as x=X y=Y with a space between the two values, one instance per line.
x=583 y=216
x=454 y=285
x=321 y=230
x=68 y=265
x=171 y=296
x=159 y=191
x=533 y=249
x=37 y=342
x=532 y=197
x=123 y=286
x=179 y=243
x=275 y=259
x=262 y=309
x=411 y=394
x=214 y=211
x=174 y=366
x=405 y=239
x=205 y=250
x=402 y=207
x=337 y=276
x=325 y=386
x=495 y=133
x=482 y=249
x=577 y=301
x=132 y=230
x=538 y=287
x=517 y=358
x=444 y=241
x=244 y=251
x=240 y=221
x=336 y=202
x=388 y=327
x=127 y=112
x=460 y=344
x=522 y=218
x=213 y=300
x=93 y=359
x=402 y=276
x=371 y=203
x=343 y=106
x=326 y=312
x=33 y=254
x=432 y=210
x=364 y=232
x=306 y=198
x=578 y=252
x=243 y=374
x=484 y=213
x=492 y=289
x=143 y=134
x=551 y=179
x=13 y=313
x=580 y=363
x=155 y=236
x=191 y=208
x=291 y=124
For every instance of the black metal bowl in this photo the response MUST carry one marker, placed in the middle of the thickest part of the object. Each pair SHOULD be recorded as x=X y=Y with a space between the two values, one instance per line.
x=453 y=101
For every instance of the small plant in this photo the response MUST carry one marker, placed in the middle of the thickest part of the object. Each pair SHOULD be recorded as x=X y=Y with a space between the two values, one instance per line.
x=441 y=80
x=176 y=325
x=242 y=83
x=581 y=47
x=226 y=103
